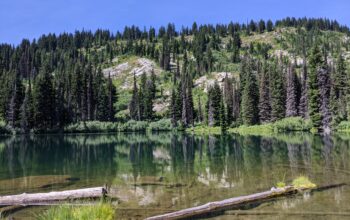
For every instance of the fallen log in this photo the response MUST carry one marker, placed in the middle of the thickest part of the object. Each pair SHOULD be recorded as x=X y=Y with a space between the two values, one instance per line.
x=51 y=197
x=220 y=206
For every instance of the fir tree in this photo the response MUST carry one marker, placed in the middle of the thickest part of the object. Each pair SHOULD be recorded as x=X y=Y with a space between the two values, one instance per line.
x=339 y=91
x=313 y=87
x=291 y=102
x=303 y=103
x=27 y=111
x=264 y=96
x=134 y=107
x=15 y=102
x=44 y=100
x=277 y=92
x=112 y=98
x=223 y=117
x=250 y=98
x=228 y=99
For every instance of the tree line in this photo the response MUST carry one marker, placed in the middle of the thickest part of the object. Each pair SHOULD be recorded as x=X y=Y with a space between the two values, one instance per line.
x=58 y=79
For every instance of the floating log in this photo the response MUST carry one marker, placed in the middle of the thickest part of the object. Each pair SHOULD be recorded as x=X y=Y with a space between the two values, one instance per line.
x=51 y=197
x=220 y=206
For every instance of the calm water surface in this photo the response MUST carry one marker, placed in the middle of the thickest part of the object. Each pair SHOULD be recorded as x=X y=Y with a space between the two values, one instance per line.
x=157 y=173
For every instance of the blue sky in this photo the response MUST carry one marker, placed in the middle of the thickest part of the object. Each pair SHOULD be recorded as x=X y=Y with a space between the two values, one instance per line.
x=30 y=18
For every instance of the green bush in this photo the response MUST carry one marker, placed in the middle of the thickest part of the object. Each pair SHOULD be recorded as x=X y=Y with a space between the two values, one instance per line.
x=344 y=126
x=161 y=125
x=292 y=124
x=4 y=129
x=91 y=126
x=64 y=212
x=133 y=125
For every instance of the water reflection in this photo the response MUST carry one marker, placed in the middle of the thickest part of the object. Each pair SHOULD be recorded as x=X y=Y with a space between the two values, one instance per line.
x=219 y=166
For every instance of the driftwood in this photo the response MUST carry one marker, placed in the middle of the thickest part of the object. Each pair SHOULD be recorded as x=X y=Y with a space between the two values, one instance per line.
x=220 y=206
x=51 y=197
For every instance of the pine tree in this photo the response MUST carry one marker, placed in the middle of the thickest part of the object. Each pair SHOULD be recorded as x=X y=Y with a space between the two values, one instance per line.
x=250 y=98
x=90 y=92
x=134 y=107
x=44 y=100
x=200 y=111
x=189 y=101
x=264 y=96
x=313 y=87
x=324 y=83
x=339 y=91
x=213 y=105
x=27 y=111
x=112 y=98
x=303 y=103
x=15 y=102
x=223 y=117
x=277 y=92
x=102 y=104
x=228 y=98
x=291 y=102
x=143 y=96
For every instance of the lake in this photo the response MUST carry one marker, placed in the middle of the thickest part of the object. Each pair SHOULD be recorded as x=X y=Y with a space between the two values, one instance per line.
x=158 y=173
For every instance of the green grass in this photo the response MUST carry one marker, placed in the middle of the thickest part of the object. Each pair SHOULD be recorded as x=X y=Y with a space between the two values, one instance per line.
x=202 y=129
x=343 y=126
x=129 y=126
x=303 y=182
x=293 y=124
x=161 y=125
x=65 y=212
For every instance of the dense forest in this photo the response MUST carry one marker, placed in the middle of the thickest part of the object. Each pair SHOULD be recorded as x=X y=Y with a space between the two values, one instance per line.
x=58 y=80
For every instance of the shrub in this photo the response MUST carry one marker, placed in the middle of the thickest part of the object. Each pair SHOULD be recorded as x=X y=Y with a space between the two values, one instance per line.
x=161 y=125
x=64 y=212
x=303 y=182
x=133 y=125
x=4 y=129
x=91 y=126
x=344 y=126
x=292 y=124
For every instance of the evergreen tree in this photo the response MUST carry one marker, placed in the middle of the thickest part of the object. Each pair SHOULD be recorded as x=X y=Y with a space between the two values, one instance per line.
x=313 y=87
x=134 y=106
x=277 y=92
x=264 y=96
x=200 y=111
x=44 y=100
x=27 y=111
x=223 y=117
x=112 y=98
x=102 y=113
x=303 y=103
x=339 y=91
x=15 y=102
x=213 y=104
x=291 y=102
x=250 y=98
x=324 y=83
x=228 y=99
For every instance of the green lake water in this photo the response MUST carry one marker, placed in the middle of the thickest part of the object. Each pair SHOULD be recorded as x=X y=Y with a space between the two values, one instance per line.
x=158 y=173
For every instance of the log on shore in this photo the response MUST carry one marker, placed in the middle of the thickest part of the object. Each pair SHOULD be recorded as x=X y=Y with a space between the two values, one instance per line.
x=220 y=206
x=51 y=197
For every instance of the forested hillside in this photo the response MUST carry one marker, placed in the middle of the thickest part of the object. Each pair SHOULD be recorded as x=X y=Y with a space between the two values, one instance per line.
x=217 y=75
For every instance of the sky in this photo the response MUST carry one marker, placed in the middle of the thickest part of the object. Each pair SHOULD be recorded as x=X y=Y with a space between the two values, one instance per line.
x=31 y=18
